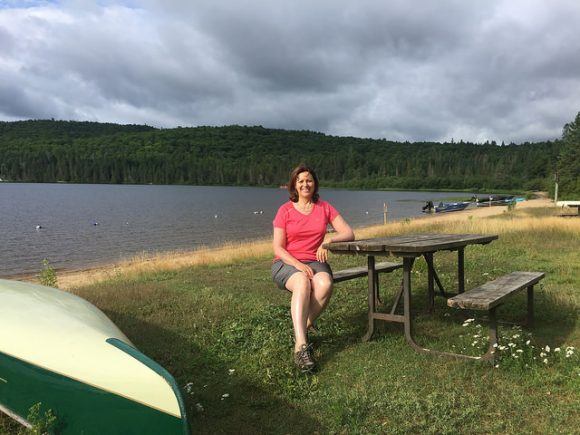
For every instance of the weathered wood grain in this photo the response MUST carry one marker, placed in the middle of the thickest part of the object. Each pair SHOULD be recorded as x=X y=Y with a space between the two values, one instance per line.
x=357 y=272
x=493 y=293
x=411 y=243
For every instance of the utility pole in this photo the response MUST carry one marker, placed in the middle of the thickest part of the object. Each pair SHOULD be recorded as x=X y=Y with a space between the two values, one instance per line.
x=556 y=179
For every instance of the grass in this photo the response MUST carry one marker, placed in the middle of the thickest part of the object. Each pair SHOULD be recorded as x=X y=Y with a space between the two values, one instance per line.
x=224 y=330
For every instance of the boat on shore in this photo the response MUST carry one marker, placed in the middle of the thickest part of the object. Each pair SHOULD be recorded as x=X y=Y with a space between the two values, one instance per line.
x=445 y=207
x=60 y=351
x=495 y=200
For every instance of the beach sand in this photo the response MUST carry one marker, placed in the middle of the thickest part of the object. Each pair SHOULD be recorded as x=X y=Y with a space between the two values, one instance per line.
x=239 y=251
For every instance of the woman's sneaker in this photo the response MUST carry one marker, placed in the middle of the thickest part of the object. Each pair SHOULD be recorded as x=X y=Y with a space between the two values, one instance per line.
x=304 y=359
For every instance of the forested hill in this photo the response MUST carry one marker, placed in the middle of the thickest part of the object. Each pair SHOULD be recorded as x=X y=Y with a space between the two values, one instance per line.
x=86 y=152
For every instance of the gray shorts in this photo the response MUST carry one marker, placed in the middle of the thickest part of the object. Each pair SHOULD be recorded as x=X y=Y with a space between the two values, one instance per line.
x=281 y=271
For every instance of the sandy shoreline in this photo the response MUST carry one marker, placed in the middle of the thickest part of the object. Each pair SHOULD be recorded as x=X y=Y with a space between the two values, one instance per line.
x=175 y=260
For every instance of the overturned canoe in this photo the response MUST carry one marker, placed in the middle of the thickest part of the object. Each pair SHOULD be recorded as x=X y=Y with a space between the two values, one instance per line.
x=59 y=350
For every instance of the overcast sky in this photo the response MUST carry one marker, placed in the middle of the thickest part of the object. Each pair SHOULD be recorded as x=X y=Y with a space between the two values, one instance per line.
x=504 y=70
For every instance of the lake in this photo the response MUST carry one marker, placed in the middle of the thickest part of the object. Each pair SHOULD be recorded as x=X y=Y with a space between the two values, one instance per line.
x=84 y=226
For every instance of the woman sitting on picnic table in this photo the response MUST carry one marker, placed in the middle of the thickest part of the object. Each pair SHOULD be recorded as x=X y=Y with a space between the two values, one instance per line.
x=300 y=264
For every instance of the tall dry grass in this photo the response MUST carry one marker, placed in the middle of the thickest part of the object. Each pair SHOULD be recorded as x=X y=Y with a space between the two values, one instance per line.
x=518 y=222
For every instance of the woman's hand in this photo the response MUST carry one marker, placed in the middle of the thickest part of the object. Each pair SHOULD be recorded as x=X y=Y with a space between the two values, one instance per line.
x=321 y=254
x=305 y=269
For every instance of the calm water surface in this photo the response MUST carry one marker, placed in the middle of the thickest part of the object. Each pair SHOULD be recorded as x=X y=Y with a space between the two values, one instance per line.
x=89 y=225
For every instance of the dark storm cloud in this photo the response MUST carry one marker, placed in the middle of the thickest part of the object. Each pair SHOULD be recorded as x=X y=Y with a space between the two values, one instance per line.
x=493 y=70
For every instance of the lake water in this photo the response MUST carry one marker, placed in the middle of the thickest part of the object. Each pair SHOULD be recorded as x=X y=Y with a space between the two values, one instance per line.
x=84 y=226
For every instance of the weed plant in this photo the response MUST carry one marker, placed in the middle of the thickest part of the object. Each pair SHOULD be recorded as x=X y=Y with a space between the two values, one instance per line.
x=47 y=275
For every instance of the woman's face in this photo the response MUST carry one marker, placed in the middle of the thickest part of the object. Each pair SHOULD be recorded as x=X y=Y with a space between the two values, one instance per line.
x=305 y=185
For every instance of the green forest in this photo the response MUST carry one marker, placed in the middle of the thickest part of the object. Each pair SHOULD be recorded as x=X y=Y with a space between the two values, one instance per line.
x=89 y=152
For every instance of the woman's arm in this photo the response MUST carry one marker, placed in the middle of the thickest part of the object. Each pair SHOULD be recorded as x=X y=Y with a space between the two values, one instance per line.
x=343 y=233
x=343 y=230
x=279 y=245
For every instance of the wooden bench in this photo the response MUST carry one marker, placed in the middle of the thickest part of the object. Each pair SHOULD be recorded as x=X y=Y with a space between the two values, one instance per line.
x=357 y=272
x=489 y=296
x=569 y=204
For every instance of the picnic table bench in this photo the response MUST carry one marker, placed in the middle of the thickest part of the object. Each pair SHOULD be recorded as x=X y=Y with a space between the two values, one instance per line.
x=492 y=294
x=358 y=272
x=569 y=204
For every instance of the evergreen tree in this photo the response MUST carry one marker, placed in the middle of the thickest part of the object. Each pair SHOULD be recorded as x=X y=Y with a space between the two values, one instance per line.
x=569 y=161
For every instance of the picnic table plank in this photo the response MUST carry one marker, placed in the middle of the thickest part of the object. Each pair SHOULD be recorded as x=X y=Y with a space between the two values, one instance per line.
x=357 y=272
x=493 y=293
x=411 y=243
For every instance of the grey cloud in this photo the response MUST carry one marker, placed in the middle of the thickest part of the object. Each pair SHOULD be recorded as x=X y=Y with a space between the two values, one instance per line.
x=497 y=70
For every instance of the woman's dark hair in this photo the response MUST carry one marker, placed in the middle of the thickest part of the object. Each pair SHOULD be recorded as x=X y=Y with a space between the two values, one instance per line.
x=294 y=176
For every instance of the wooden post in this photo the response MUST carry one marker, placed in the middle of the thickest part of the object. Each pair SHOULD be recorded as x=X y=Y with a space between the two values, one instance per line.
x=385 y=212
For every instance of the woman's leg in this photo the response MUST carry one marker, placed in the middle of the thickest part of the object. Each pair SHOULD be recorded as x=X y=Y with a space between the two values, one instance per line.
x=320 y=296
x=299 y=285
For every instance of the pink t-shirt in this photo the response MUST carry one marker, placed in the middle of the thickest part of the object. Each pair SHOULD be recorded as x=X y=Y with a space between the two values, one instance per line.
x=304 y=233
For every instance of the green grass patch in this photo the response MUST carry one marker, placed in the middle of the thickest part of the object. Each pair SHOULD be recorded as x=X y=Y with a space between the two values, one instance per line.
x=225 y=333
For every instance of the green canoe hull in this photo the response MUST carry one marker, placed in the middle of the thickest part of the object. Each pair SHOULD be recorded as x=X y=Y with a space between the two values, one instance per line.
x=79 y=408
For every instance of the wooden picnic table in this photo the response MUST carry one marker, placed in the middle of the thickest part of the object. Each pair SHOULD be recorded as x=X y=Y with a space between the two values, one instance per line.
x=570 y=204
x=409 y=247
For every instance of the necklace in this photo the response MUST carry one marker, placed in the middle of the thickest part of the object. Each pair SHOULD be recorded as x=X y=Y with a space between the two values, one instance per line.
x=303 y=208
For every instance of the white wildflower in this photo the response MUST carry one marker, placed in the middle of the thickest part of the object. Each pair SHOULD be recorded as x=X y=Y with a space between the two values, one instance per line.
x=225 y=396
x=502 y=347
x=231 y=371
x=516 y=356
x=188 y=387
x=511 y=344
x=516 y=336
x=557 y=349
x=545 y=361
x=528 y=342
x=542 y=354
x=497 y=366
x=519 y=351
x=547 y=348
x=494 y=344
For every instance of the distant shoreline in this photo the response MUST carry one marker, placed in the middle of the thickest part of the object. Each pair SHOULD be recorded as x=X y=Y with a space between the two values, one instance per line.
x=273 y=186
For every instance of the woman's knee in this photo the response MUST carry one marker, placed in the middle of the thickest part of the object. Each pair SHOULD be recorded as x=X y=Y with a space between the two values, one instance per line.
x=322 y=285
x=298 y=282
x=322 y=282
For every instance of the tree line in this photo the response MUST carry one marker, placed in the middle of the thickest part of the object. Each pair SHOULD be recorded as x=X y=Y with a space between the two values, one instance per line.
x=89 y=152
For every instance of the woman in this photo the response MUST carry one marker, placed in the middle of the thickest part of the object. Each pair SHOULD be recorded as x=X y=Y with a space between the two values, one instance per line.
x=300 y=264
